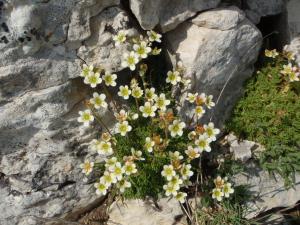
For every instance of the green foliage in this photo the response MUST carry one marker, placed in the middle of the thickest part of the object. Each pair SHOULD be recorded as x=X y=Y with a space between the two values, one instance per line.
x=269 y=114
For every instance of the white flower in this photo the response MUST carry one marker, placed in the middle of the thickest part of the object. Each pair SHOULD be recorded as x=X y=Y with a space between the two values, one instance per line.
x=150 y=94
x=161 y=102
x=175 y=155
x=123 y=184
x=199 y=111
x=148 y=110
x=118 y=171
x=130 y=60
x=120 y=37
x=168 y=172
x=186 y=82
x=211 y=131
x=95 y=145
x=176 y=128
x=142 y=50
x=294 y=77
x=173 y=77
x=124 y=91
x=209 y=103
x=227 y=189
x=203 y=143
x=135 y=116
x=149 y=144
x=192 y=135
x=98 y=100
x=217 y=194
x=130 y=168
x=156 y=51
x=108 y=178
x=137 y=154
x=101 y=188
x=191 y=97
x=110 y=163
x=186 y=172
x=219 y=182
x=271 y=53
x=110 y=79
x=122 y=115
x=92 y=79
x=87 y=167
x=85 y=117
x=123 y=128
x=104 y=148
x=86 y=70
x=176 y=182
x=201 y=99
x=153 y=36
x=181 y=196
x=170 y=190
x=137 y=92
x=192 y=153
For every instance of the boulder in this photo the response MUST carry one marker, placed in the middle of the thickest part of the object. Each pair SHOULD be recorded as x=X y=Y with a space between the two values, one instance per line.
x=138 y=212
x=219 y=48
x=167 y=14
x=269 y=191
x=41 y=92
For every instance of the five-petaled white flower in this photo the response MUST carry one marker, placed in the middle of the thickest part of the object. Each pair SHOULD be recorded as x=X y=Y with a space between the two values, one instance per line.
x=203 y=143
x=93 y=79
x=161 y=102
x=130 y=168
x=130 y=60
x=110 y=79
x=176 y=182
x=173 y=77
x=168 y=172
x=148 y=109
x=101 y=188
x=123 y=128
x=137 y=92
x=199 y=111
x=192 y=153
x=104 y=148
x=123 y=184
x=217 y=194
x=227 y=189
x=85 y=117
x=211 y=131
x=201 y=99
x=181 y=196
x=120 y=37
x=87 y=167
x=142 y=50
x=121 y=116
x=118 y=171
x=153 y=36
x=124 y=91
x=86 y=70
x=191 y=97
x=209 y=102
x=98 y=100
x=150 y=94
x=186 y=171
x=175 y=155
x=108 y=178
x=110 y=163
x=149 y=144
x=176 y=128
x=170 y=189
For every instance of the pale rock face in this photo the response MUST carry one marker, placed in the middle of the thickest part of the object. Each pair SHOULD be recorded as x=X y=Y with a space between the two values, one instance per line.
x=138 y=212
x=41 y=142
x=217 y=47
x=167 y=14
x=268 y=191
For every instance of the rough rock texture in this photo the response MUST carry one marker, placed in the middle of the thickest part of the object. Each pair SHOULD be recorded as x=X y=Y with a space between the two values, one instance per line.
x=41 y=144
x=167 y=14
x=255 y=9
x=269 y=191
x=137 y=212
x=293 y=8
x=217 y=46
